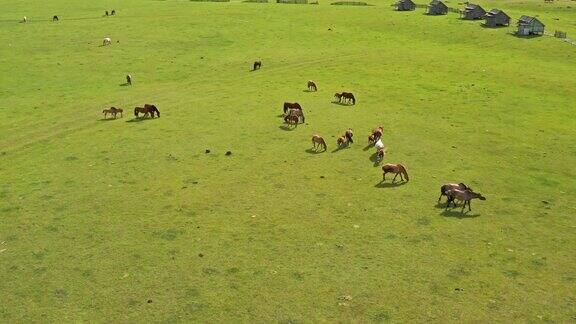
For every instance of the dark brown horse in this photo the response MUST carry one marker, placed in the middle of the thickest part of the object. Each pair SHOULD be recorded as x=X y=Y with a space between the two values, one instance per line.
x=290 y=105
x=112 y=111
x=449 y=186
x=338 y=97
x=376 y=134
x=298 y=113
x=348 y=97
x=147 y=110
x=257 y=65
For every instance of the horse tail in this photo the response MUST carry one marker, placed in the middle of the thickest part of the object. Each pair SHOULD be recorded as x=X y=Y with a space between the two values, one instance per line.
x=404 y=172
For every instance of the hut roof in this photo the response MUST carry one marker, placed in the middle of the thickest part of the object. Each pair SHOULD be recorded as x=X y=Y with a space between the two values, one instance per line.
x=437 y=3
x=405 y=1
x=527 y=20
x=496 y=12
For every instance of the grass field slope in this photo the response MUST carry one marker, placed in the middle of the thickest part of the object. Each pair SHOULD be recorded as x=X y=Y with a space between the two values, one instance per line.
x=129 y=220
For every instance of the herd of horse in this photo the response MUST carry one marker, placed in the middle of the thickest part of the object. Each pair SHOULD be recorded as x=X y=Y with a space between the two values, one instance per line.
x=148 y=110
x=293 y=114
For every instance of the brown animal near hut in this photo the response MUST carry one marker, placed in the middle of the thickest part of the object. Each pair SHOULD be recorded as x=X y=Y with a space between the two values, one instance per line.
x=148 y=110
x=257 y=65
x=449 y=186
x=397 y=169
x=113 y=111
x=312 y=86
x=317 y=142
x=291 y=105
x=462 y=195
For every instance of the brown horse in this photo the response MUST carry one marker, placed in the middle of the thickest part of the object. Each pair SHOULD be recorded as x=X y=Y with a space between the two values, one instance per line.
x=345 y=139
x=376 y=135
x=397 y=169
x=290 y=105
x=380 y=154
x=349 y=135
x=312 y=86
x=347 y=97
x=147 y=110
x=298 y=113
x=292 y=120
x=257 y=65
x=318 y=140
x=462 y=195
x=449 y=186
x=112 y=111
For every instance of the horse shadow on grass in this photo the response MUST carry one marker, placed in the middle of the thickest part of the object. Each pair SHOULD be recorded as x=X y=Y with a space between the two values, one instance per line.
x=287 y=128
x=125 y=84
x=458 y=214
x=374 y=159
x=313 y=151
x=340 y=148
x=311 y=91
x=384 y=184
x=139 y=119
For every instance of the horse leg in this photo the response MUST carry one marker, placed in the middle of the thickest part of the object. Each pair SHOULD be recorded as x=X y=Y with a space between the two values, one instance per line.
x=394 y=180
x=384 y=176
x=469 y=207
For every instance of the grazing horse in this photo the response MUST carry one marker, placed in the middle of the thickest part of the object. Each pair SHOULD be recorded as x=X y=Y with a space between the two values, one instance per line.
x=113 y=13
x=107 y=41
x=312 y=86
x=449 y=186
x=290 y=105
x=55 y=18
x=292 y=120
x=347 y=97
x=147 y=110
x=462 y=195
x=318 y=141
x=349 y=135
x=128 y=79
x=376 y=135
x=297 y=113
x=112 y=111
x=106 y=13
x=397 y=169
x=257 y=65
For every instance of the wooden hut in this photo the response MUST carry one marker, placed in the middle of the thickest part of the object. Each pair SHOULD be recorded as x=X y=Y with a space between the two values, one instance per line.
x=472 y=12
x=495 y=18
x=529 y=26
x=405 y=5
x=437 y=7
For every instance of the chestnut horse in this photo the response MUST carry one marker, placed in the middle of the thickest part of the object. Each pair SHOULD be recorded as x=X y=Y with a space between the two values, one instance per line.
x=147 y=110
x=462 y=195
x=112 y=111
x=397 y=169
x=318 y=140
x=376 y=135
x=345 y=139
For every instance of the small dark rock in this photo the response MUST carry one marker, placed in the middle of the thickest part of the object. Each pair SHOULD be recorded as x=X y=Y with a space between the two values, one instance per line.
x=228 y=153
x=207 y=151
x=321 y=177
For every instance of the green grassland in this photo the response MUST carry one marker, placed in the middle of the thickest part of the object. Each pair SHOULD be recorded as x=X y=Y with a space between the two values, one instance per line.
x=130 y=221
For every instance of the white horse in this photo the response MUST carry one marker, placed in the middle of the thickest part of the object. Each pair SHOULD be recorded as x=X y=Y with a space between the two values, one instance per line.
x=107 y=41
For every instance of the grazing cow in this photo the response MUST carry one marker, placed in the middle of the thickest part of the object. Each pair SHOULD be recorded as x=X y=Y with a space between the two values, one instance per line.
x=107 y=41
x=257 y=65
x=397 y=169
x=55 y=18
x=449 y=186
x=318 y=140
x=462 y=195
